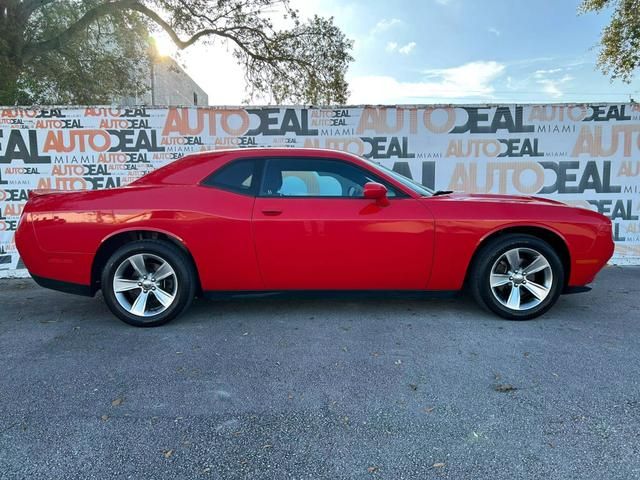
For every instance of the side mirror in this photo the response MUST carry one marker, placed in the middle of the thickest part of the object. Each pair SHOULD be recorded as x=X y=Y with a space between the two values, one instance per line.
x=376 y=191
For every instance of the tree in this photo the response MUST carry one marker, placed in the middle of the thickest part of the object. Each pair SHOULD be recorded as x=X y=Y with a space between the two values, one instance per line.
x=619 y=54
x=87 y=51
x=87 y=65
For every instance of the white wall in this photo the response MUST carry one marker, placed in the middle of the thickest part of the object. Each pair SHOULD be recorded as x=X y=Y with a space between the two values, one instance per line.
x=588 y=155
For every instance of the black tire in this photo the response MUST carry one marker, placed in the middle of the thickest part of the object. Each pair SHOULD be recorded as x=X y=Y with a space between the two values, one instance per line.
x=492 y=256
x=181 y=282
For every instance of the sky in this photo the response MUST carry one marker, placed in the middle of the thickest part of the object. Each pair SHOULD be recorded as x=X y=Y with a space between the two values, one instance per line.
x=448 y=51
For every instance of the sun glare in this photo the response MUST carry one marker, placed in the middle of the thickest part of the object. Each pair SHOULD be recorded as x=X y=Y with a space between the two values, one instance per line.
x=164 y=44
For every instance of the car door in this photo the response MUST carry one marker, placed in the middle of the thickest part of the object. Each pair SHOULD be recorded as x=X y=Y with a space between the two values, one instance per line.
x=314 y=230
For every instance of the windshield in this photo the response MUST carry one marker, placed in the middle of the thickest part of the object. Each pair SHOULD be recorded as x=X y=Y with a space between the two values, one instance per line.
x=407 y=182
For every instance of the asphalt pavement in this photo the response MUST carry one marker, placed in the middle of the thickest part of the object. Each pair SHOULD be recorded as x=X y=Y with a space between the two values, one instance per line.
x=332 y=388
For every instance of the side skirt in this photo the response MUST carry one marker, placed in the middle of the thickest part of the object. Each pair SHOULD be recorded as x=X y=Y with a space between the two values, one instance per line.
x=336 y=294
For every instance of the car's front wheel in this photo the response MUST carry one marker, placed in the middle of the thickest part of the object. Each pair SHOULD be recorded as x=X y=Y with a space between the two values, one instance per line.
x=519 y=277
x=148 y=283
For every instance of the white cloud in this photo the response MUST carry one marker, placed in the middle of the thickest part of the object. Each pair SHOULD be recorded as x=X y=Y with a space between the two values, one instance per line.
x=403 y=50
x=469 y=80
x=495 y=31
x=510 y=82
x=384 y=25
x=552 y=81
x=474 y=77
x=553 y=87
x=543 y=73
x=407 y=49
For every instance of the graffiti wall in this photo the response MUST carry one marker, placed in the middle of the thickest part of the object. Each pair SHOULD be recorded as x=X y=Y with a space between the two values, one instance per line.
x=587 y=155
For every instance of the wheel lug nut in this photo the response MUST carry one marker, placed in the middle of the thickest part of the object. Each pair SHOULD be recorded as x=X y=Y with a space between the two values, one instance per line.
x=139 y=284
x=153 y=288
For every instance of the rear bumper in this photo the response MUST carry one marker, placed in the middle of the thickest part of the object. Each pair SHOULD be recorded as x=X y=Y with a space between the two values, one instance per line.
x=62 y=267
x=61 y=286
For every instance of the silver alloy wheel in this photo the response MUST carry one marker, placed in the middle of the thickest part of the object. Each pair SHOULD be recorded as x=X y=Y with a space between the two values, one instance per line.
x=521 y=278
x=145 y=285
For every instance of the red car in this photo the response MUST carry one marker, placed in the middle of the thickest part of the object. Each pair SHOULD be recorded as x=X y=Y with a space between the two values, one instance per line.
x=267 y=220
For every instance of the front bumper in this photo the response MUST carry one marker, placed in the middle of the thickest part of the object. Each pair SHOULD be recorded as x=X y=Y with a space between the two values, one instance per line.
x=585 y=267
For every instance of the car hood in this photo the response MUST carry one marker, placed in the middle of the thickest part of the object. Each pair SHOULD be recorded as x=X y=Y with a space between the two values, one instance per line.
x=496 y=198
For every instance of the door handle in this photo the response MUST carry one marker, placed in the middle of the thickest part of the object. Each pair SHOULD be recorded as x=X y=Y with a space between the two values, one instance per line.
x=272 y=213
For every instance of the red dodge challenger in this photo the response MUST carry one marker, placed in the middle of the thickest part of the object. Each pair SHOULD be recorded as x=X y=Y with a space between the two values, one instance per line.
x=272 y=220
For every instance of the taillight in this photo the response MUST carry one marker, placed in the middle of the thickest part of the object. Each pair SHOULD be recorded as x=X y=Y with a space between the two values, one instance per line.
x=606 y=228
x=22 y=215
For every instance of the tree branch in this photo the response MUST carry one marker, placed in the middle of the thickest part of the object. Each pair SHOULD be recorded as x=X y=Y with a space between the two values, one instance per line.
x=182 y=44
x=104 y=9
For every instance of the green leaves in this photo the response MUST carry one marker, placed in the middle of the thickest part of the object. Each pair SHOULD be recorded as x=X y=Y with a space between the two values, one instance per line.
x=105 y=59
x=306 y=64
x=620 y=41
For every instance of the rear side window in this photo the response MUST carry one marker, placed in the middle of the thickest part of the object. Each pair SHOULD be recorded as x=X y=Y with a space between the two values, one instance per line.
x=238 y=176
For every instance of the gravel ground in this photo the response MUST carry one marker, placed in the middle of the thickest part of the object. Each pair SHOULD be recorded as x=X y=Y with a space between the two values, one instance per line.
x=364 y=388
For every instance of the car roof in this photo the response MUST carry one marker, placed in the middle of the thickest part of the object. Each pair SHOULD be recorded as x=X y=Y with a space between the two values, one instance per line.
x=271 y=152
x=192 y=168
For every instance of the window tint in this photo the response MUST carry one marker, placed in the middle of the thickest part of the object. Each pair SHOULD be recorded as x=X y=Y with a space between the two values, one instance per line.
x=238 y=177
x=406 y=181
x=308 y=177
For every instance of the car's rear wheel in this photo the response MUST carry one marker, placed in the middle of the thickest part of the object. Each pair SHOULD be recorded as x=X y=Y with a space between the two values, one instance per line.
x=148 y=283
x=517 y=276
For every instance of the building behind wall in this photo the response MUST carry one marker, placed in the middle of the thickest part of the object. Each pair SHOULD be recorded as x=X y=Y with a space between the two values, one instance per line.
x=168 y=84
x=171 y=85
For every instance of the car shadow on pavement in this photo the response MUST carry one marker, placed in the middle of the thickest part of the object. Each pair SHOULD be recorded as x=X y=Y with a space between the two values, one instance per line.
x=24 y=299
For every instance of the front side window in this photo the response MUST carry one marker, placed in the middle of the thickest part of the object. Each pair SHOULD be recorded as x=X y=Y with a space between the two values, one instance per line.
x=307 y=177
x=407 y=182
x=238 y=176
